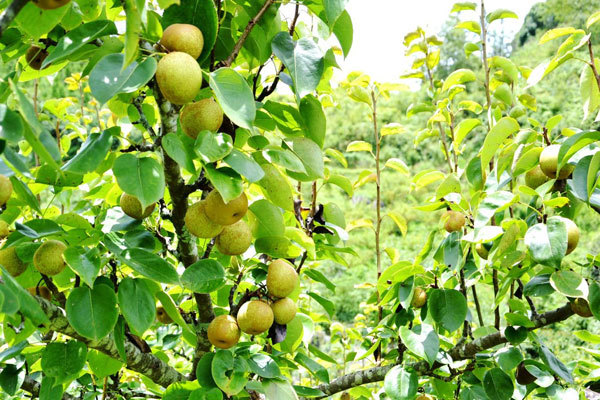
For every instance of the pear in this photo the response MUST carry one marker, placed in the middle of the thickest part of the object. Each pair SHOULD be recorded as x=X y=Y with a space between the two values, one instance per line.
x=454 y=221
x=581 y=307
x=549 y=163
x=223 y=332
x=179 y=77
x=162 y=316
x=41 y=291
x=572 y=235
x=35 y=56
x=276 y=187
x=183 y=37
x=203 y=115
x=234 y=239
x=523 y=376
x=199 y=224
x=425 y=396
x=483 y=250
x=225 y=213
x=11 y=261
x=6 y=189
x=535 y=177
x=48 y=258
x=282 y=278
x=4 y=230
x=133 y=207
x=419 y=298
x=284 y=310
x=255 y=317
x=50 y=4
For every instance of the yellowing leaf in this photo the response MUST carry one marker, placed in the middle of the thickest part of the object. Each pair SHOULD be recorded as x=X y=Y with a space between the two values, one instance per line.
x=392 y=129
x=359 y=145
x=398 y=165
x=458 y=77
x=360 y=223
x=400 y=222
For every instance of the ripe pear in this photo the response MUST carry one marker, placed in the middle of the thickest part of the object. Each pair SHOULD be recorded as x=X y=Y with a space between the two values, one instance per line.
x=35 y=56
x=41 y=291
x=255 y=317
x=234 y=239
x=179 y=77
x=11 y=261
x=6 y=189
x=183 y=37
x=48 y=258
x=454 y=221
x=572 y=235
x=225 y=213
x=4 y=230
x=483 y=250
x=162 y=316
x=132 y=207
x=276 y=187
x=549 y=163
x=535 y=177
x=199 y=224
x=282 y=278
x=523 y=376
x=284 y=310
x=203 y=115
x=50 y=4
x=223 y=332
x=419 y=298
x=581 y=307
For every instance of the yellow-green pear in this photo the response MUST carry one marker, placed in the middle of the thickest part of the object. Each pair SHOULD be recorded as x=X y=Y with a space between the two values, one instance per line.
x=581 y=307
x=282 y=278
x=453 y=221
x=203 y=115
x=276 y=187
x=35 y=56
x=483 y=250
x=255 y=317
x=48 y=258
x=234 y=239
x=50 y=4
x=4 y=229
x=284 y=310
x=133 y=207
x=223 y=332
x=225 y=213
x=183 y=37
x=572 y=235
x=11 y=261
x=6 y=189
x=419 y=298
x=179 y=77
x=535 y=177
x=549 y=163
x=162 y=316
x=41 y=291
x=199 y=224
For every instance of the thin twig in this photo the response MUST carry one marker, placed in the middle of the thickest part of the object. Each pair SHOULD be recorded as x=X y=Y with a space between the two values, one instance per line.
x=477 y=305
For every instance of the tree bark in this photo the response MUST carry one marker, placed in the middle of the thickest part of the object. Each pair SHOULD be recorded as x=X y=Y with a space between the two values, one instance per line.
x=32 y=386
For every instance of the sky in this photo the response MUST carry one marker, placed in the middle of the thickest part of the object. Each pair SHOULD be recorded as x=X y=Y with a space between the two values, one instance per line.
x=380 y=26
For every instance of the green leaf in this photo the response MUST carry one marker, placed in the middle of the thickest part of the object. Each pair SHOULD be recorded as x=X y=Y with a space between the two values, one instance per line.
x=547 y=244
x=137 y=304
x=400 y=221
x=397 y=165
x=78 y=37
x=103 y=365
x=462 y=130
x=448 y=308
x=234 y=95
x=142 y=177
x=83 y=262
x=508 y=358
x=11 y=125
x=315 y=369
x=266 y=219
x=590 y=94
x=492 y=204
x=172 y=311
x=515 y=335
x=63 y=360
x=264 y=366
x=421 y=340
x=227 y=182
x=498 y=385
x=11 y=379
x=311 y=156
x=472 y=26
x=36 y=22
x=313 y=119
x=29 y=306
x=133 y=29
x=201 y=13
x=527 y=161
x=204 y=276
x=594 y=299
x=108 y=78
x=229 y=372
x=500 y=14
x=24 y=194
x=333 y=10
x=555 y=364
x=556 y=33
x=244 y=165
x=328 y=305
x=182 y=154
x=212 y=147
x=344 y=31
x=496 y=136
x=359 y=145
x=592 y=19
x=569 y=283
x=92 y=312
x=458 y=77
x=150 y=265
x=538 y=286
x=575 y=143
x=303 y=60
x=463 y=6
x=401 y=384
x=92 y=152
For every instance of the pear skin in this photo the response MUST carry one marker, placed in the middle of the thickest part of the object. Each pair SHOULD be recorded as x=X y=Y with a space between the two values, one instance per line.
x=11 y=261
x=185 y=38
x=48 y=258
x=284 y=310
x=223 y=332
x=255 y=317
x=6 y=189
x=282 y=278
x=133 y=207
x=454 y=221
x=225 y=213
x=199 y=224
x=203 y=115
x=549 y=163
x=179 y=77
x=234 y=239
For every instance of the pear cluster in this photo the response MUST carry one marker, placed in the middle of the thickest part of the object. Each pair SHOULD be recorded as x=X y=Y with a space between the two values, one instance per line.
x=257 y=316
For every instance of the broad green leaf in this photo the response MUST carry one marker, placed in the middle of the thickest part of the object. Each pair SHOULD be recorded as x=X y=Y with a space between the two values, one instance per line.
x=133 y=29
x=227 y=182
x=182 y=154
x=311 y=156
x=575 y=143
x=463 y=6
x=212 y=147
x=28 y=306
x=313 y=119
x=569 y=283
x=142 y=177
x=462 y=130
x=264 y=366
x=538 y=286
x=594 y=299
x=508 y=358
x=276 y=389
x=498 y=385
x=266 y=219
x=315 y=369
x=234 y=95
x=592 y=19
x=229 y=372
x=555 y=364
x=244 y=165
x=92 y=312
x=204 y=276
x=359 y=145
x=400 y=221
x=36 y=22
x=527 y=161
x=401 y=384
x=590 y=94
x=103 y=365
x=392 y=129
x=398 y=165
x=492 y=204
x=84 y=262
x=500 y=14
x=496 y=136
x=12 y=378
x=458 y=77
x=547 y=243
x=172 y=311
x=63 y=360
x=333 y=10
x=448 y=308
x=344 y=31
x=11 y=125
x=150 y=265
x=421 y=340
x=556 y=33
x=92 y=152
x=137 y=305
x=327 y=304
x=472 y=26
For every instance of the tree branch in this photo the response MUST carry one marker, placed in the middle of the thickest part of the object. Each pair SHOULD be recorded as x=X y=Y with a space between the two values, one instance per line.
x=462 y=351
x=10 y=13
x=32 y=386
x=240 y=43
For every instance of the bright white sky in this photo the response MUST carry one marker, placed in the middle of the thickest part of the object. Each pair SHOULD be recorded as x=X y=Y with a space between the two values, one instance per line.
x=380 y=26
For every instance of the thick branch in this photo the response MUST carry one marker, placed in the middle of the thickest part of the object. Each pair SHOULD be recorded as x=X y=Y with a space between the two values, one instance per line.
x=240 y=43
x=32 y=386
x=462 y=351
x=10 y=13
x=144 y=363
